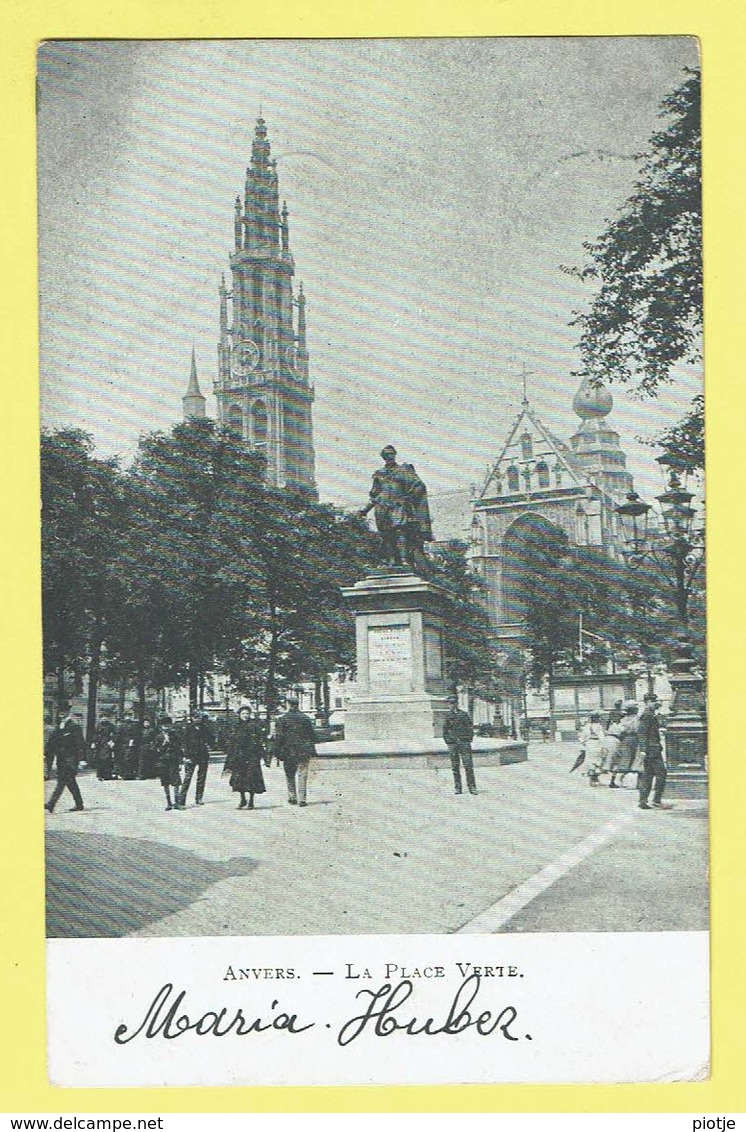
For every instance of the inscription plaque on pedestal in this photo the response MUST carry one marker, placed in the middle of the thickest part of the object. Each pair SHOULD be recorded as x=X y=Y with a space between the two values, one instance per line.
x=433 y=641
x=389 y=653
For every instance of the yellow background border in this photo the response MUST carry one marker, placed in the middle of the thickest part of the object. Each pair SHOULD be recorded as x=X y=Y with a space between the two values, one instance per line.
x=719 y=24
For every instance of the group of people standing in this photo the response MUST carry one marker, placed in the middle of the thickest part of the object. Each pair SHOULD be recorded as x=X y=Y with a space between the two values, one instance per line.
x=176 y=752
x=630 y=742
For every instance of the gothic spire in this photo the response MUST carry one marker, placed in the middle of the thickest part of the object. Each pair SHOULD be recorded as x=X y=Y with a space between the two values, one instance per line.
x=193 y=400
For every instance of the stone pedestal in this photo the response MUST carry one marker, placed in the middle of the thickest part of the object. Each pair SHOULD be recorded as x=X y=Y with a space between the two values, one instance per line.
x=401 y=681
x=686 y=730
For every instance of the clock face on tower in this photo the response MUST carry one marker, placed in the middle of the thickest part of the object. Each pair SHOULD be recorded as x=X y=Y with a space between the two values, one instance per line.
x=244 y=359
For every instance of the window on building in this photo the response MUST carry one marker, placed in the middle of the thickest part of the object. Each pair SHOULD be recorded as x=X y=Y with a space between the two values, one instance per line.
x=542 y=472
x=514 y=482
x=259 y=425
x=235 y=420
x=527 y=446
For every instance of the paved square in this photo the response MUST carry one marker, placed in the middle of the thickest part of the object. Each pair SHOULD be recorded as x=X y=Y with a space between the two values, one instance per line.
x=375 y=851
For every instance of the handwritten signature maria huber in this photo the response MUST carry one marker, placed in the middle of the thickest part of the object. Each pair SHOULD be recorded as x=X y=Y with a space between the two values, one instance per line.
x=381 y=1014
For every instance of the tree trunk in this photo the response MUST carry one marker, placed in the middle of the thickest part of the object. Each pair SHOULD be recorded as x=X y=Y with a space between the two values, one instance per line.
x=317 y=696
x=122 y=697
x=141 y=686
x=270 y=686
x=193 y=688
x=61 y=697
x=327 y=698
x=202 y=692
x=93 y=678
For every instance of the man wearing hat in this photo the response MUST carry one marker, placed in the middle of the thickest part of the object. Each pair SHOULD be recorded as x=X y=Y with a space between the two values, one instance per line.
x=650 y=751
x=67 y=745
x=458 y=732
x=169 y=752
x=198 y=739
x=295 y=746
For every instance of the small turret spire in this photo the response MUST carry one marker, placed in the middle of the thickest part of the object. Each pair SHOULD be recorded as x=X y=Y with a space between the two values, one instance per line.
x=301 y=318
x=285 y=227
x=237 y=224
x=524 y=374
x=193 y=401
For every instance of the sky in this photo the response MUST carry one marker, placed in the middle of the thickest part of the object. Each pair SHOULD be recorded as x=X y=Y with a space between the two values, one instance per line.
x=436 y=188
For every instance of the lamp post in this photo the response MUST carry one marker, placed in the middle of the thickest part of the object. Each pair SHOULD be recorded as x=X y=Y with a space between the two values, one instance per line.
x=678 y=553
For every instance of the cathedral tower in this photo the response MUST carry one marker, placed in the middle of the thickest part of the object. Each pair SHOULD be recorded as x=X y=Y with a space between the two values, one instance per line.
x=262 y=390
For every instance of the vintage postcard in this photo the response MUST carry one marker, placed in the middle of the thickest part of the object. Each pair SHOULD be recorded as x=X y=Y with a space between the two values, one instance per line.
x=373 y=541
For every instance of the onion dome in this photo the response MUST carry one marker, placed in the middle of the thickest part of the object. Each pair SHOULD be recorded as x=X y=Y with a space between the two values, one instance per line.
x=592 y=400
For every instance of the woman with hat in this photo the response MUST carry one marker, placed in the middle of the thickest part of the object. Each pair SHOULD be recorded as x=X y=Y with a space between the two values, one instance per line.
x=593 y=747
x=245 y=753
x=628 y=737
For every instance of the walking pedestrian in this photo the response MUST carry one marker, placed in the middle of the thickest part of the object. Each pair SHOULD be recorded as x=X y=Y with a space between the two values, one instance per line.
x=295 y=746
x=126 y=746
x=169 y=753
x=613 y=760
x=628 y=737
x=245 y=753
x=458 y=732
x=593 y=747
x=146 y=755
x=103 y=746
x=198 y=739
x=66 y=745
x=650 y=751
x=615 y=715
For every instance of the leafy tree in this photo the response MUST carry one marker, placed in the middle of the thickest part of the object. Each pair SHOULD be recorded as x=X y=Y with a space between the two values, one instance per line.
x=471 y=657
x=647 y=312
x=305 y=553
x=563 y=583
x=81 y=527
x=198 y=492
x=646 y=315
x=687 y=438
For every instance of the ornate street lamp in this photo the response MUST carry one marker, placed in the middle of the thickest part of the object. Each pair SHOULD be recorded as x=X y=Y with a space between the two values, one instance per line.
x=678 y=552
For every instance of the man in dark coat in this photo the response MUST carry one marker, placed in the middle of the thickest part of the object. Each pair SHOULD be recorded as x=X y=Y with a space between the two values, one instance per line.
x=169 y=753
x=649 y=748
x=458 y=732
x=127 y=747
x=198 y=739
x=295 y=746
x=66 y=745
x=146 y=757
x=103 y=745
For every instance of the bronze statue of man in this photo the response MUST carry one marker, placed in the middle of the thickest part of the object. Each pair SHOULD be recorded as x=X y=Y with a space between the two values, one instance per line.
x=398 y=498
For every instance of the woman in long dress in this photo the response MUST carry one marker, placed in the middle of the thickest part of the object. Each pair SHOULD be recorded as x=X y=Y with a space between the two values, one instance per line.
x=628 y=738
x=244 y=761
x=592 y=739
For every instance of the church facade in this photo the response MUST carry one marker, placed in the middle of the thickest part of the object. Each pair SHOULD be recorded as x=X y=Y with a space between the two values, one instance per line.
x=262 y=388
x=539 y=485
